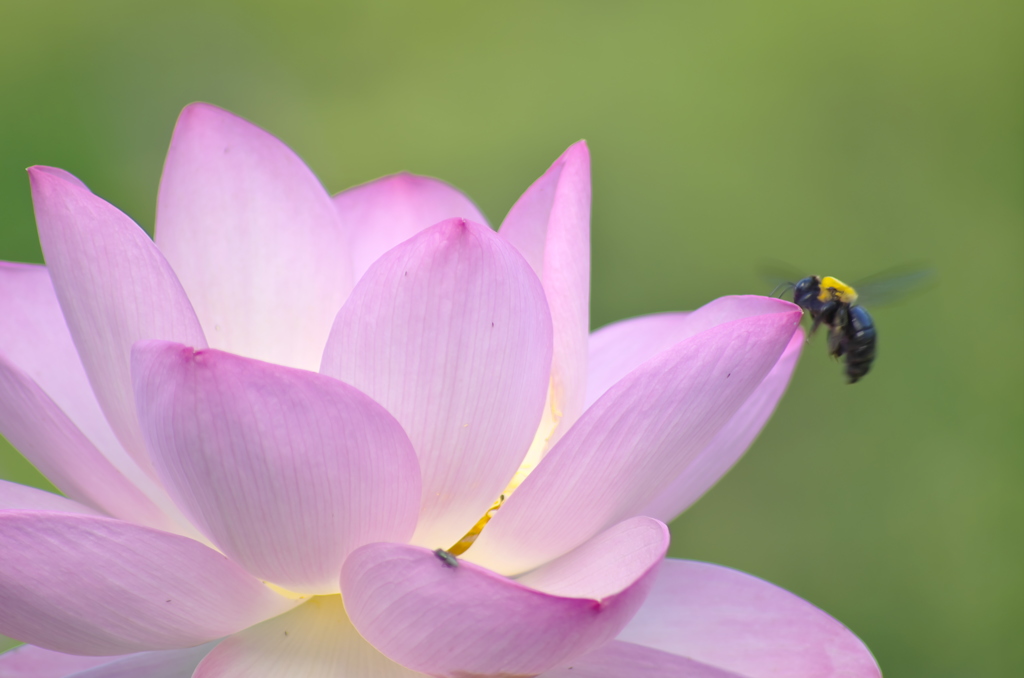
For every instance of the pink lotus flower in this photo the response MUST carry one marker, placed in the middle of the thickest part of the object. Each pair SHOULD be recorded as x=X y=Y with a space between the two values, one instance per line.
x=288 y=397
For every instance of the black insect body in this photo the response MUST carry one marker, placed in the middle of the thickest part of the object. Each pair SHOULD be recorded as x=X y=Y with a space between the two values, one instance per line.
x=851 y=332
x=446 y=558
x=857 y=343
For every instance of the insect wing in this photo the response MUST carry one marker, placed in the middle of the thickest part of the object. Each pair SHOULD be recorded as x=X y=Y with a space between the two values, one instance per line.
x=893 y=285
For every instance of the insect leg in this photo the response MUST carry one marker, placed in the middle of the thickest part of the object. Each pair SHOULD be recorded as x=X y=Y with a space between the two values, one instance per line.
x=835 y=342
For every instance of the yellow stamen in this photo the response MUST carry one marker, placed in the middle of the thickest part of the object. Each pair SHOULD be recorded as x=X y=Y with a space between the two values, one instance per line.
x=538 y=448
x=461 y=545
x=285 y=592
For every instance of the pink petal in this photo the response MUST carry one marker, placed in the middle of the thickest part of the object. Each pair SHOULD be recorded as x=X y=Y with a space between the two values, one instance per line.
x=616 y=350
x=37 y=427
x=114 y=287
x=159 y=664
x=63 y=174
x=36 y=346
x=739 y=623
x=35 y=339
x=731 y=442
x=22 y=497
x=636 y=438
x=466 y=620
x=550 y=225
x=383 y=213
x=619 y=348
x=287 y=471
x=605 y=564
x=89 y=585
x=29 y=661
x=626 y=660
x=254 y=238
x=315 y=640
x=451 y=333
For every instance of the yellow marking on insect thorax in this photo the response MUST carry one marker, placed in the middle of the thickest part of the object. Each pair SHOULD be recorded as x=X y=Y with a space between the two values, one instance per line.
x=538 y=448
x=835 y=289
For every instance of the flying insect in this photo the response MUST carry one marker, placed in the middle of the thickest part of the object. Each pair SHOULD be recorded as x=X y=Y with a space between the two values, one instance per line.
x=851 y=332
x=836 y=305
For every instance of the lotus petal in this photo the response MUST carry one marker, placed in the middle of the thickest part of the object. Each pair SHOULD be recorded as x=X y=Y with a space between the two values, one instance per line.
x=451 y=333
x=254 y=238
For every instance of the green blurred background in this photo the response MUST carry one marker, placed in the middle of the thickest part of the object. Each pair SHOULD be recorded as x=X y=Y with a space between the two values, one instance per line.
x=843 y=137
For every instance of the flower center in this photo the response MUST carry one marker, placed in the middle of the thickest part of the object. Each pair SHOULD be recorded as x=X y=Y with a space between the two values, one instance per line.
x=538 y=448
